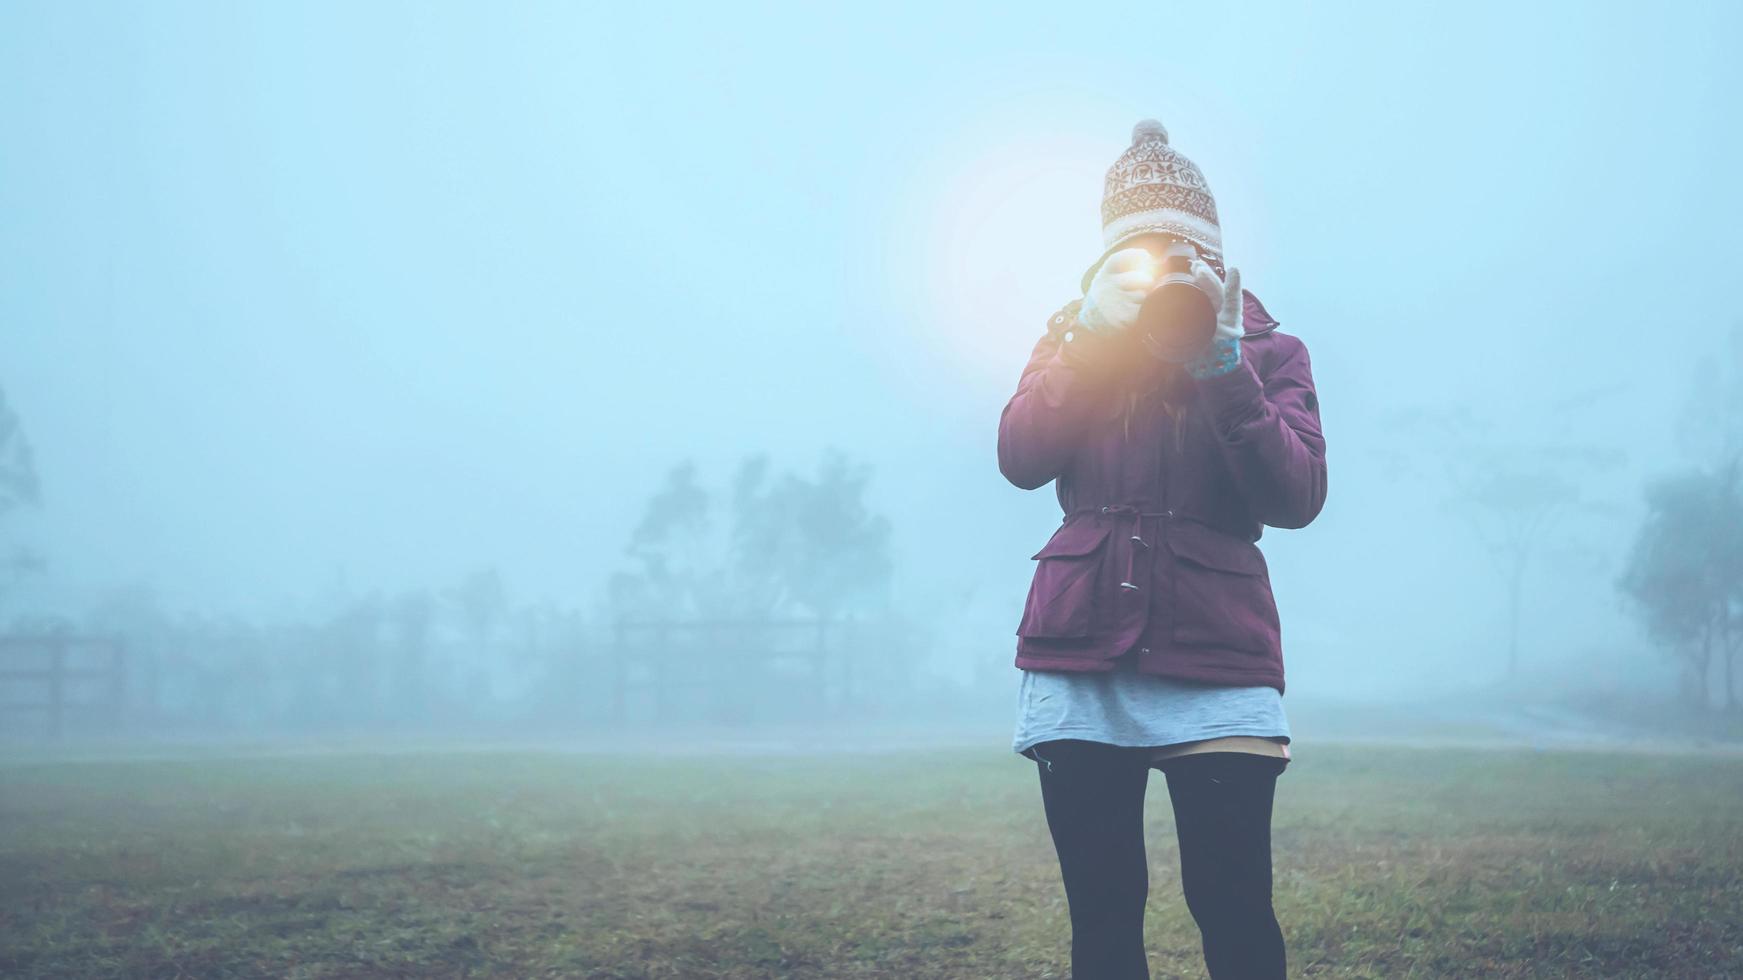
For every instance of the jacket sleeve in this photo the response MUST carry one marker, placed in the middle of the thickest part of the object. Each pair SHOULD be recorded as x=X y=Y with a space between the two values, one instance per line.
x=1270 y=434
x=1062 y=388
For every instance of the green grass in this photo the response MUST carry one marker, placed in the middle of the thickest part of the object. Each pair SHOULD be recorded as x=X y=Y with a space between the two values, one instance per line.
x=1393 y=863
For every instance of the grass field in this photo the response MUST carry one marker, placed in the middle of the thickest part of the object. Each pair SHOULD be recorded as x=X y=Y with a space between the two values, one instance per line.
x=1390 y=862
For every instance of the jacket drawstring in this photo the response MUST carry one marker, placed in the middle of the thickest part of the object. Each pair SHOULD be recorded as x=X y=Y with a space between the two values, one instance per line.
x=1137 y=516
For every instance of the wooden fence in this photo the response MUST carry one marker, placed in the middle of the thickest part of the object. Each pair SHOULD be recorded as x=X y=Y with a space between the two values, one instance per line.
x=679 y=654
x=53 y=675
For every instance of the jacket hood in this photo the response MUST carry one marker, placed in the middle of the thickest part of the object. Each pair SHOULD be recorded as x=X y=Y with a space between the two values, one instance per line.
x=1255 y=320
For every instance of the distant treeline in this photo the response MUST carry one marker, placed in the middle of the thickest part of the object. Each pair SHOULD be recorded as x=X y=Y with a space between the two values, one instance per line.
x=768 y=600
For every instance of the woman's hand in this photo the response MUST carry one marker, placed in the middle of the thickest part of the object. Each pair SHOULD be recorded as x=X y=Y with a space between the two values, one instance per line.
x=1116 y=292
x=1224 y=352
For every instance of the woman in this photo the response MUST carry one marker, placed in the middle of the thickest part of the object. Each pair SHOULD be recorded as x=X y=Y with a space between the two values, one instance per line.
x=1150 y=637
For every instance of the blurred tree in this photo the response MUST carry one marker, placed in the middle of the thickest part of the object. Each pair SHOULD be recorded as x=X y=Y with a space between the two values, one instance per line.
x=783 y=544
x=1513 y=492
x=412 y=615
x=668 y=549
x=482 y=604
x=1684 y=573
x=351 y=661
x=758 y=526
x=22 y=561
x=1513 y=499
x=18 y=481
x=829 y=551
x=135 y=613
x=1710 y=431
x=19 y=487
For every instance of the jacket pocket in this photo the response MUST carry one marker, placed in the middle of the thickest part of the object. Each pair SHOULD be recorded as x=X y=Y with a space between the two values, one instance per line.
x=1222 y=591
x=1064 y=593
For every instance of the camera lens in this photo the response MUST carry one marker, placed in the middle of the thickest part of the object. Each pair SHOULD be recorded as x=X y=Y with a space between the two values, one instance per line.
x=1177 y=315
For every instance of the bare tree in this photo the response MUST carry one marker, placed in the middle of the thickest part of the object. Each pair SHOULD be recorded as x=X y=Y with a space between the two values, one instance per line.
x=1514 y=493
x=1513 y=499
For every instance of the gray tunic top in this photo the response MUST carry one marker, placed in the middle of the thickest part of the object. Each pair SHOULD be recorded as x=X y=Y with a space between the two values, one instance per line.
x=1124 y=707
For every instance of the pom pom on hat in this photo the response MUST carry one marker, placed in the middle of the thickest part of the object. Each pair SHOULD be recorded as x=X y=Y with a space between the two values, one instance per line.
x=1153 y=187
x=1148 y=129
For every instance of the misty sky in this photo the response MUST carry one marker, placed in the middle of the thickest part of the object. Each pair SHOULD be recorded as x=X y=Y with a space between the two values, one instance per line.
x=303 y=296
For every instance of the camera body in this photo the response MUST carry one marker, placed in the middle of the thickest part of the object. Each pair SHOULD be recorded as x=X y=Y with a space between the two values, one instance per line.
x=1178 y=318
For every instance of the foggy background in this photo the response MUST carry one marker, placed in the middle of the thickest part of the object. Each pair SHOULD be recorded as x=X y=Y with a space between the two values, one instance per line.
x=365 y=364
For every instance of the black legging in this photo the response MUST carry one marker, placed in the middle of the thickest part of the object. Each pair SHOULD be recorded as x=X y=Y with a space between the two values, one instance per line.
x=1094 y=796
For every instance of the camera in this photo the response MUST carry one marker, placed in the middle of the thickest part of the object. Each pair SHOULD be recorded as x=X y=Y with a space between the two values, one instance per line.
x=1178 y=318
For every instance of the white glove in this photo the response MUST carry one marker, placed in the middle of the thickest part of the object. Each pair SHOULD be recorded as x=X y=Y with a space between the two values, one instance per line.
x=1228 y=315
x=1116 y=292
x=1223 y=353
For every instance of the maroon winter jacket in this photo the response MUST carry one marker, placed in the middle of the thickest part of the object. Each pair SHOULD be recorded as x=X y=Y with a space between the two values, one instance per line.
x=1166 y=482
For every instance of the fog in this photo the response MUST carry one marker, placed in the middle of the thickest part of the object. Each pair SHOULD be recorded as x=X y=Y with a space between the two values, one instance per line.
x=363 y=356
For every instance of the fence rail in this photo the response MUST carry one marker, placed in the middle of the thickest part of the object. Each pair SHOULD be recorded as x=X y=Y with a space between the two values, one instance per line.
x=60 y=666
x=674 y=653
x=614 y=672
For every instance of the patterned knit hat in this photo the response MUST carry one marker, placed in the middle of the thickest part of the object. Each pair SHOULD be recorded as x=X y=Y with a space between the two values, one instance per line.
x=1153 y=188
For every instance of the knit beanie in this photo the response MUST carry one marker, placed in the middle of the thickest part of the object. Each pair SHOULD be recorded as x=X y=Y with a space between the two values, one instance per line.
x=1153 y=188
